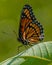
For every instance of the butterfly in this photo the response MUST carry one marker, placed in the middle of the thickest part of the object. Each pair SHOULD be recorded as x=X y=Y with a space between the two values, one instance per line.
x=30 y=30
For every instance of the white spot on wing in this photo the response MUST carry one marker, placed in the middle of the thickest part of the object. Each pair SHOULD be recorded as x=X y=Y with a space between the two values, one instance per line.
x=41 y=36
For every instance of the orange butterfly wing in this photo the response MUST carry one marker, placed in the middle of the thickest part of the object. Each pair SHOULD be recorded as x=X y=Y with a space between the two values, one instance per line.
x=30 y=29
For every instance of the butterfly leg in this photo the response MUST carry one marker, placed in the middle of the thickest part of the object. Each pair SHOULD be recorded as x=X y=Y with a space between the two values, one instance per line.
x=26 y=47
x=19 y=47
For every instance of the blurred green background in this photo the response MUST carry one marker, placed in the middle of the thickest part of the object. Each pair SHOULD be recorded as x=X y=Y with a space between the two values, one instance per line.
x=10 y=11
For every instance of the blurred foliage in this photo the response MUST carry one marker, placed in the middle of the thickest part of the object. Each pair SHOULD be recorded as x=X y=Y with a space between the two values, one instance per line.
x=39 y=54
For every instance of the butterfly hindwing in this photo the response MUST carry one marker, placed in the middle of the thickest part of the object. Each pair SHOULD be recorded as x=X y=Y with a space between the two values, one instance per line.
x=30 y=29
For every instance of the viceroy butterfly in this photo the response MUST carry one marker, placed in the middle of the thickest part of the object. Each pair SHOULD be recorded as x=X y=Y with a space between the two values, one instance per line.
x=30 y=30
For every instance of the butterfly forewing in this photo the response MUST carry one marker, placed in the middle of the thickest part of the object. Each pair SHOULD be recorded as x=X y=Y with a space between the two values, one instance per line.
x=30 y=29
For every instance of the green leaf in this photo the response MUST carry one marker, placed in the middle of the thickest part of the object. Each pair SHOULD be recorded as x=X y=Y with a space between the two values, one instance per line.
x=36 y=61
x=39 y=54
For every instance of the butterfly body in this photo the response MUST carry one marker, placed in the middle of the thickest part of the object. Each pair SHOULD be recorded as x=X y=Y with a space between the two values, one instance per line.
x=30 y=30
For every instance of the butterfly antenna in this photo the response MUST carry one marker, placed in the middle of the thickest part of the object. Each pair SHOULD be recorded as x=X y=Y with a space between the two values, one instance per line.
x=8 y=33
x=15 y=32
x=5 y=33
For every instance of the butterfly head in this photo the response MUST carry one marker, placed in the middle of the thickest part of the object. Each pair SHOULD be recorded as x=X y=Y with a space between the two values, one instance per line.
x=25 y=42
